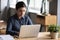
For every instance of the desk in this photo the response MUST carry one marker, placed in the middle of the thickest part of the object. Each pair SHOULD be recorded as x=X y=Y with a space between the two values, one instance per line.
x=3 y=27
x=41 y=36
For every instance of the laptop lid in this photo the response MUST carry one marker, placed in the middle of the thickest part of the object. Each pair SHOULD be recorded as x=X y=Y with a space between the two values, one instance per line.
x=29 y=31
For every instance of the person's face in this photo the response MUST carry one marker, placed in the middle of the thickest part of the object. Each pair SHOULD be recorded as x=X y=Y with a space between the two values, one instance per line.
x=21 y=11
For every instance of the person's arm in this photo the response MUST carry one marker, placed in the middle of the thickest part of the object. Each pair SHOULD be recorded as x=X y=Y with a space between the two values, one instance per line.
x=29 y=21
x=9 y=28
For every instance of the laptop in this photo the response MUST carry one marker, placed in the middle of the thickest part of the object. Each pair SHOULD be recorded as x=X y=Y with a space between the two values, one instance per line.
x=29 y=31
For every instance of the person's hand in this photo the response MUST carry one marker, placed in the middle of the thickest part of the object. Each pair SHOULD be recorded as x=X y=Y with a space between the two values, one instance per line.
x=15 y=36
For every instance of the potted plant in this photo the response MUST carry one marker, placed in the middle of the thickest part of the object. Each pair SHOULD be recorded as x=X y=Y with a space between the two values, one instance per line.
x=53 y=29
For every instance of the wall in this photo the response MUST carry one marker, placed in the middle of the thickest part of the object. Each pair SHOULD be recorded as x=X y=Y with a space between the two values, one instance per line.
x=0 y=8
x=0 y=5
x=3 y=6
x=53 y=7
x=58 y=13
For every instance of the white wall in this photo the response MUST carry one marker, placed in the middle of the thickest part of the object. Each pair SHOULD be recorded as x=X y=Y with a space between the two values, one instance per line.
x=0 y=5
x=0 y=9
x=58 y=13
x=3 y=4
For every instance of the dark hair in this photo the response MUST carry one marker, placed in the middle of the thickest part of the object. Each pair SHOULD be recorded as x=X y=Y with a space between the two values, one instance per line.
x=20 y=4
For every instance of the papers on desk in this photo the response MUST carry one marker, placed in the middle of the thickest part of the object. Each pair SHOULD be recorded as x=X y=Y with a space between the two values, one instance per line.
x=6 y=37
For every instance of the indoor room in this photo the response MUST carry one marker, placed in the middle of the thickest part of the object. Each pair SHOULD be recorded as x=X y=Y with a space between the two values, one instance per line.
x=29 y=20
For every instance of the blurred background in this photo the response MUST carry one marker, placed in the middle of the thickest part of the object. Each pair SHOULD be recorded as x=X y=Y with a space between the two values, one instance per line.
x=44 y=12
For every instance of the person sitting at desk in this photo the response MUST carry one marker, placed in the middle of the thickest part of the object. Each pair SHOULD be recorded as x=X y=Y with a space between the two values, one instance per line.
x=14 y=22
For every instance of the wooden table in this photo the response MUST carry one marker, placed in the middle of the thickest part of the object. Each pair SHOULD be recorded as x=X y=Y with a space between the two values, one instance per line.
x=3 y=26
x=41 y=36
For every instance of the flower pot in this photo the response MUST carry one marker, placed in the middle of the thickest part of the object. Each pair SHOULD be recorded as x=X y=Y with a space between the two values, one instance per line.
x=54 y=35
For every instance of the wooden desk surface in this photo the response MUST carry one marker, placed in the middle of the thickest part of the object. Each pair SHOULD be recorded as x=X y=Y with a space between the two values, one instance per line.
x=41 y=36
x=3 y=26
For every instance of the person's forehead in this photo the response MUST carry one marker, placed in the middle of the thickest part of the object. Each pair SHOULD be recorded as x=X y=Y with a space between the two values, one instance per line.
x=22 y=8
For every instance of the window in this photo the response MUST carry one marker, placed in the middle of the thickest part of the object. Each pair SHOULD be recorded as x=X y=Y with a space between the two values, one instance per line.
x=12 y=3
x=33 y=5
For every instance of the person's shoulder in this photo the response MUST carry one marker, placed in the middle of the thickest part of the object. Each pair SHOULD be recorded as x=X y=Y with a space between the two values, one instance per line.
x=26 y=16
